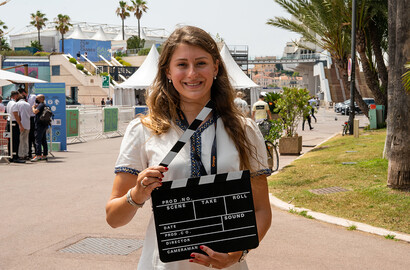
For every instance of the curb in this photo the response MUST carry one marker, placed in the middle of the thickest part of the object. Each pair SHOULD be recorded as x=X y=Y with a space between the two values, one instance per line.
x=274 y=201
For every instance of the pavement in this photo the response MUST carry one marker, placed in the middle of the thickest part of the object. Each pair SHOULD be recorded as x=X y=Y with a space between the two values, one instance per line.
x=47 y=207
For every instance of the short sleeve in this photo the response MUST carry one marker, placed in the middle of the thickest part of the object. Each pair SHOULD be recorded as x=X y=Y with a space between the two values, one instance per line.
x=133 y=155
x=259 y=160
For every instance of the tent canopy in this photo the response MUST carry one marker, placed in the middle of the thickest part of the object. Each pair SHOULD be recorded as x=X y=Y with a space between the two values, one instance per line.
x=7 y=77
x=100 y=35
x=145 y=75
x=238 y=78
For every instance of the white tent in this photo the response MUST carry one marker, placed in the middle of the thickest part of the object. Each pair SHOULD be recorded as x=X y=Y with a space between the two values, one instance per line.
x=100 y=35
x=7 y=77
x=77 y=33
x=238 y=78
x=141 y=79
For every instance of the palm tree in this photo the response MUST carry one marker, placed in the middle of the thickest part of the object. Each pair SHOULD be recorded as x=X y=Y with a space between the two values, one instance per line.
x=63 y=26
x=330 y=23
x=38 y=20
x=122 y=12
x=3 y=27
x=138 y=7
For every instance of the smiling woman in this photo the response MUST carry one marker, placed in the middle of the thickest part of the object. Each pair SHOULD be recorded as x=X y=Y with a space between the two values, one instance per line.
x=190 y=74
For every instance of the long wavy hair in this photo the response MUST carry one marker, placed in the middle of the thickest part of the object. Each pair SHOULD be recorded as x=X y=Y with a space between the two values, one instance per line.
x=163 y=99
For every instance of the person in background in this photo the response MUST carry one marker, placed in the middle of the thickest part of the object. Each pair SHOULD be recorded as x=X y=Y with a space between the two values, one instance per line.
x=241 y=104
x=14 y=127
x=21 y=111
x=102 y=102
x=190 y=73
x=137 y=100
x=40 y=130
x=260 y=110
x=313 y=105
x=108 y=102
x=31 y=139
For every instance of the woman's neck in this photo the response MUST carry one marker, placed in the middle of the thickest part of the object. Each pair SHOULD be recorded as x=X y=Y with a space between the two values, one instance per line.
x=191 y=110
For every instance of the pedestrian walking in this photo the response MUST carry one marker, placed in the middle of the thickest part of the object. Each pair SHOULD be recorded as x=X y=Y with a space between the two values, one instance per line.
x=190 y=73
x=260 y=110
x=313 y=104
x=31 y=139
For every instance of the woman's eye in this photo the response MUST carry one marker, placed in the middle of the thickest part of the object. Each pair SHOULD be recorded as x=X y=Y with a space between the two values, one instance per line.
x=201 y=63
x=181 y=64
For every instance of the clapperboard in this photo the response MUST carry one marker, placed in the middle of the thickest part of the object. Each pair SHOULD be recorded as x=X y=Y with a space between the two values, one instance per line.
x=212 y=210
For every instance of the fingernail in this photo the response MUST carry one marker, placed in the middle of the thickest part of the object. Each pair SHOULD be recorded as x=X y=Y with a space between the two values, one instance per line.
x=192 y=255
x=160 y=184
x=162 y=175
x=166 y=168
x=190 y=260
x=201 y=247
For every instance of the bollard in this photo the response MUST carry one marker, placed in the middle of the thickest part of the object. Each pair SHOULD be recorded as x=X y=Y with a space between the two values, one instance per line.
x=356 y=128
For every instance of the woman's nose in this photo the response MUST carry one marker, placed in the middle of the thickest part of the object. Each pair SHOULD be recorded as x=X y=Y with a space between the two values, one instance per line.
x=192 y=71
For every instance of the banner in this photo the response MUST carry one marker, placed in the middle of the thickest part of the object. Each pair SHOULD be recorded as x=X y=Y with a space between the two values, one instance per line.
x=54 y=94
x=110 y=119
x=73 y=123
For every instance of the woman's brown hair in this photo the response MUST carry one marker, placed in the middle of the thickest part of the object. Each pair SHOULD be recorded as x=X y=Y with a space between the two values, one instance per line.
x=163 y=99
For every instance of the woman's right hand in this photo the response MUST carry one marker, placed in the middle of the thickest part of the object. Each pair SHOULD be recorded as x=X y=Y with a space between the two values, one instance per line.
x=148 y=180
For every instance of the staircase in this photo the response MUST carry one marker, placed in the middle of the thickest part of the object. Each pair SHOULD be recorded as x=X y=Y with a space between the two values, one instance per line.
x=90 y=89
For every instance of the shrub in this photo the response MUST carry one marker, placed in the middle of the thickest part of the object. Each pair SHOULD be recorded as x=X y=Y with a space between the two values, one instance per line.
x=72 y=60
x=271 y=99
x=42 y=54
x=125 y=63
x=144 y=51
x=79 y=66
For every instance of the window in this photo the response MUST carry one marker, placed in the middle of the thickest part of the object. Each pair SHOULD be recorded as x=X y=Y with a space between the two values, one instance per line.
x=55 y=70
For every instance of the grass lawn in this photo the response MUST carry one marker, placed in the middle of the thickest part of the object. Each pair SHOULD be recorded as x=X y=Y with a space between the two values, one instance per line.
x=368 y=199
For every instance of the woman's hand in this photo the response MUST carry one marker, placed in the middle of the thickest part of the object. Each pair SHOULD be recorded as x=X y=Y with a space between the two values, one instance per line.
x=215 y=259
x=148 y=180
x=118 y=211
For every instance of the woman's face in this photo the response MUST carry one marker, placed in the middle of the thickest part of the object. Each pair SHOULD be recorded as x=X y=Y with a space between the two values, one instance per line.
x=192 y=71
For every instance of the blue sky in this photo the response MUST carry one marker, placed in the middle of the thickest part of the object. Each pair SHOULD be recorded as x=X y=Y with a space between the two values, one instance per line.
x=238 y=22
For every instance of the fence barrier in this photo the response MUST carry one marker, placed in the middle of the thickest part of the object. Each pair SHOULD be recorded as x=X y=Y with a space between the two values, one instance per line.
x=5 y=136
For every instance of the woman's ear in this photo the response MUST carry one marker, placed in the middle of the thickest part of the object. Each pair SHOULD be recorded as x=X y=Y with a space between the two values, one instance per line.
x=216 y=67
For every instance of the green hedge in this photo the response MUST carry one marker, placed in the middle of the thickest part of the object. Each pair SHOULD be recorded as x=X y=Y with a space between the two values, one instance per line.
x=72 y=60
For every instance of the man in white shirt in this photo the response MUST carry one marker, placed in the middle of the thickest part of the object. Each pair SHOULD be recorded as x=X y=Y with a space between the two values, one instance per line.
x=22 y=111
x=14 y=127
x=260 y=110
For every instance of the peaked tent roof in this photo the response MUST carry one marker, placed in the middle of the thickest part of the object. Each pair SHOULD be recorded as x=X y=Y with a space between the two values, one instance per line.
x=145 y=75
x=77 y=33
x=238 y=78
x=8 y=77
x=100 y=35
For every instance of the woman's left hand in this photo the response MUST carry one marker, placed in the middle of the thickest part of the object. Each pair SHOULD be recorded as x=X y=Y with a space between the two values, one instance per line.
x=215 y=259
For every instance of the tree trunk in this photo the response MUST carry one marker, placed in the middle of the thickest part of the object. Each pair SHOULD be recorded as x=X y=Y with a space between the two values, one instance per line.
x=123 y=30
x=357 y=96
x=376 y=41
x=62 y=43
x=370 y=75
x=139 y=35
x=399 y=101
x=38 y=33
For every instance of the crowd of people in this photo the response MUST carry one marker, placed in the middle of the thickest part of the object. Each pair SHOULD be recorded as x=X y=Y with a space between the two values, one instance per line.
x=28 y=131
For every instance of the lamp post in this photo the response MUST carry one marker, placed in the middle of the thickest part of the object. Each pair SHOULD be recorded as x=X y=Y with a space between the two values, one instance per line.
x=352 y=78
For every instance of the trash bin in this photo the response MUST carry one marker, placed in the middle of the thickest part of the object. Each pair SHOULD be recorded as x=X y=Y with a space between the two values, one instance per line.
x=380 y=113
x=373 y=118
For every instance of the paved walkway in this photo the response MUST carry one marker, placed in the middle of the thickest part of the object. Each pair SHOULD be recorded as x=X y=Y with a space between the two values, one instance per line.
x=46 y=207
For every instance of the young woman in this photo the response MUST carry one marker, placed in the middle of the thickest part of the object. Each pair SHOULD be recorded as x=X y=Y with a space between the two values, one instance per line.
x=190 y=73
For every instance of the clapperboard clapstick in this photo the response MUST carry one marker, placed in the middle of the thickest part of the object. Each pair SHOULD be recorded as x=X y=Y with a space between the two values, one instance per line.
x=214 y=210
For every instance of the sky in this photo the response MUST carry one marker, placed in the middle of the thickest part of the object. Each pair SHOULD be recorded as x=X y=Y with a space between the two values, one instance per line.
x=238 y=22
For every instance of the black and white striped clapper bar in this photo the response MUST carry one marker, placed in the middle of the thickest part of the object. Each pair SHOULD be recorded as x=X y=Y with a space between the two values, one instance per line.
x=212 y=210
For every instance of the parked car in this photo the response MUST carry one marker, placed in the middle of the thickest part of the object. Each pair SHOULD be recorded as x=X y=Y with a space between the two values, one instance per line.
x=70 y=101
x=339 y=105
x=368 y=101
x=345 y=108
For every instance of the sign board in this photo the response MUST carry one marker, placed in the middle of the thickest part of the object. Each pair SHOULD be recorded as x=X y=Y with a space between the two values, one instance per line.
x=141 y=109
x=213 y=210
x=105 y=81
x=73 y=122
x=110 y=119
x=54 y=94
